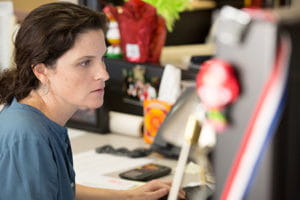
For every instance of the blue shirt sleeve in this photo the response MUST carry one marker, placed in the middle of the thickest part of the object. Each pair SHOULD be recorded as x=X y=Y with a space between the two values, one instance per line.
x=28 y=170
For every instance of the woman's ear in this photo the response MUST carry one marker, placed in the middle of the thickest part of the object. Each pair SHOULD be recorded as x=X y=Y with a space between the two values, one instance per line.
x=40 y=71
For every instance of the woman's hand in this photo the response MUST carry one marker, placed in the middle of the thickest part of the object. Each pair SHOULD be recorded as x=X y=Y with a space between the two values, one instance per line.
x=152 y=190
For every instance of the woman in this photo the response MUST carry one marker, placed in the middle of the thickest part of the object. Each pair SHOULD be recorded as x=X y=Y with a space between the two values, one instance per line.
x=59 y=69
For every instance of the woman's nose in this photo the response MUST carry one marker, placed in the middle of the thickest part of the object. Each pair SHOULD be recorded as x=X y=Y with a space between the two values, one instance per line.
x=102 y=72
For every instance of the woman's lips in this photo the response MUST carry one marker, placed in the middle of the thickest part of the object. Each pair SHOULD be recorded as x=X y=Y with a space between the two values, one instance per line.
x=100 y=90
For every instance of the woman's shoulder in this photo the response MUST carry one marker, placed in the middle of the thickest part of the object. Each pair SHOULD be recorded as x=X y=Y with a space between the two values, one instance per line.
x=21 y=123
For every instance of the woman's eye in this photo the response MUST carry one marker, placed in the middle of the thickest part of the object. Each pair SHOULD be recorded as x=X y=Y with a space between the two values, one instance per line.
x=85 y=63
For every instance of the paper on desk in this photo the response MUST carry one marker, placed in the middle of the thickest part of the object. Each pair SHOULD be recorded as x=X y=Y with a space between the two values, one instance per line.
x=111 y=183
x=74 y=133
x=91 y=166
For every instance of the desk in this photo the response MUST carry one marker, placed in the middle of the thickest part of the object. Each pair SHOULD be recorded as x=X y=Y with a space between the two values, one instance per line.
x=83 y=141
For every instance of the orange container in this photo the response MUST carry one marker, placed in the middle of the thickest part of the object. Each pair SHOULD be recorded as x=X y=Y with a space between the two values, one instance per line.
x=155 y=112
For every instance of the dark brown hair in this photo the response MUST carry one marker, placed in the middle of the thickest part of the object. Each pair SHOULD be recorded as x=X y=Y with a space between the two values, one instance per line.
x=45 y=35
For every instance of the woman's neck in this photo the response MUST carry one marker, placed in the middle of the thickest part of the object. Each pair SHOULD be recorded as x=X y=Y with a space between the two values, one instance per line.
x=54 y=110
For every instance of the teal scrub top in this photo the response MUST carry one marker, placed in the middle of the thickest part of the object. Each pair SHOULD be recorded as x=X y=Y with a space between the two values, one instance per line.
x=35 y=156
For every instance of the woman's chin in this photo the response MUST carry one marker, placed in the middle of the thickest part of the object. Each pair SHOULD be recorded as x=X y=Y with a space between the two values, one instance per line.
x=95 y=105
x=91 y=104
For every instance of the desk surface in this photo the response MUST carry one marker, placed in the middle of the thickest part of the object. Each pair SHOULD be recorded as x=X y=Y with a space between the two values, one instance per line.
x=83 y=141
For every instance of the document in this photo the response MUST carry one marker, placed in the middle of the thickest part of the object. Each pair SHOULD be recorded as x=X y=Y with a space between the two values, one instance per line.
x=91 y=168
x=108 y=182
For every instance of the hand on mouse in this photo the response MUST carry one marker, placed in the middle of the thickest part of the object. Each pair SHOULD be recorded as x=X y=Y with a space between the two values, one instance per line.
x=153 y=190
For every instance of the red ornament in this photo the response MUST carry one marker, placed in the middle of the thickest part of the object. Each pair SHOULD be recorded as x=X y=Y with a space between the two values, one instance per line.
x=217 y=85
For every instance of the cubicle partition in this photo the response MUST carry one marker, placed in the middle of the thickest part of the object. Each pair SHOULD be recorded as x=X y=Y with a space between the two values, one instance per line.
x=266 y=42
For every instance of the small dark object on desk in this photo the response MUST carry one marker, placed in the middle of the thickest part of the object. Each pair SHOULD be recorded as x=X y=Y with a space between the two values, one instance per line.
x=135 y=153
x=104 y=149
x=140 y=152
x=146 y=172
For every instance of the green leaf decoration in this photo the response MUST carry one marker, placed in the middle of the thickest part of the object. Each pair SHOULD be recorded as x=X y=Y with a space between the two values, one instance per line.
x=169 y=10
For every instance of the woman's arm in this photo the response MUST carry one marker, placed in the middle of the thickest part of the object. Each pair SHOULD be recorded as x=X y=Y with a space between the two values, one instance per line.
x=152 y=190
x=90 y=193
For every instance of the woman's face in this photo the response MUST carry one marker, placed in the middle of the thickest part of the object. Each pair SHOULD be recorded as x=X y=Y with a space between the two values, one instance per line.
x=79 y=76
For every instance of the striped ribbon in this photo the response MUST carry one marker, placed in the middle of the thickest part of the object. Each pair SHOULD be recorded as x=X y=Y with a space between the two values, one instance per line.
x=261 y=128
